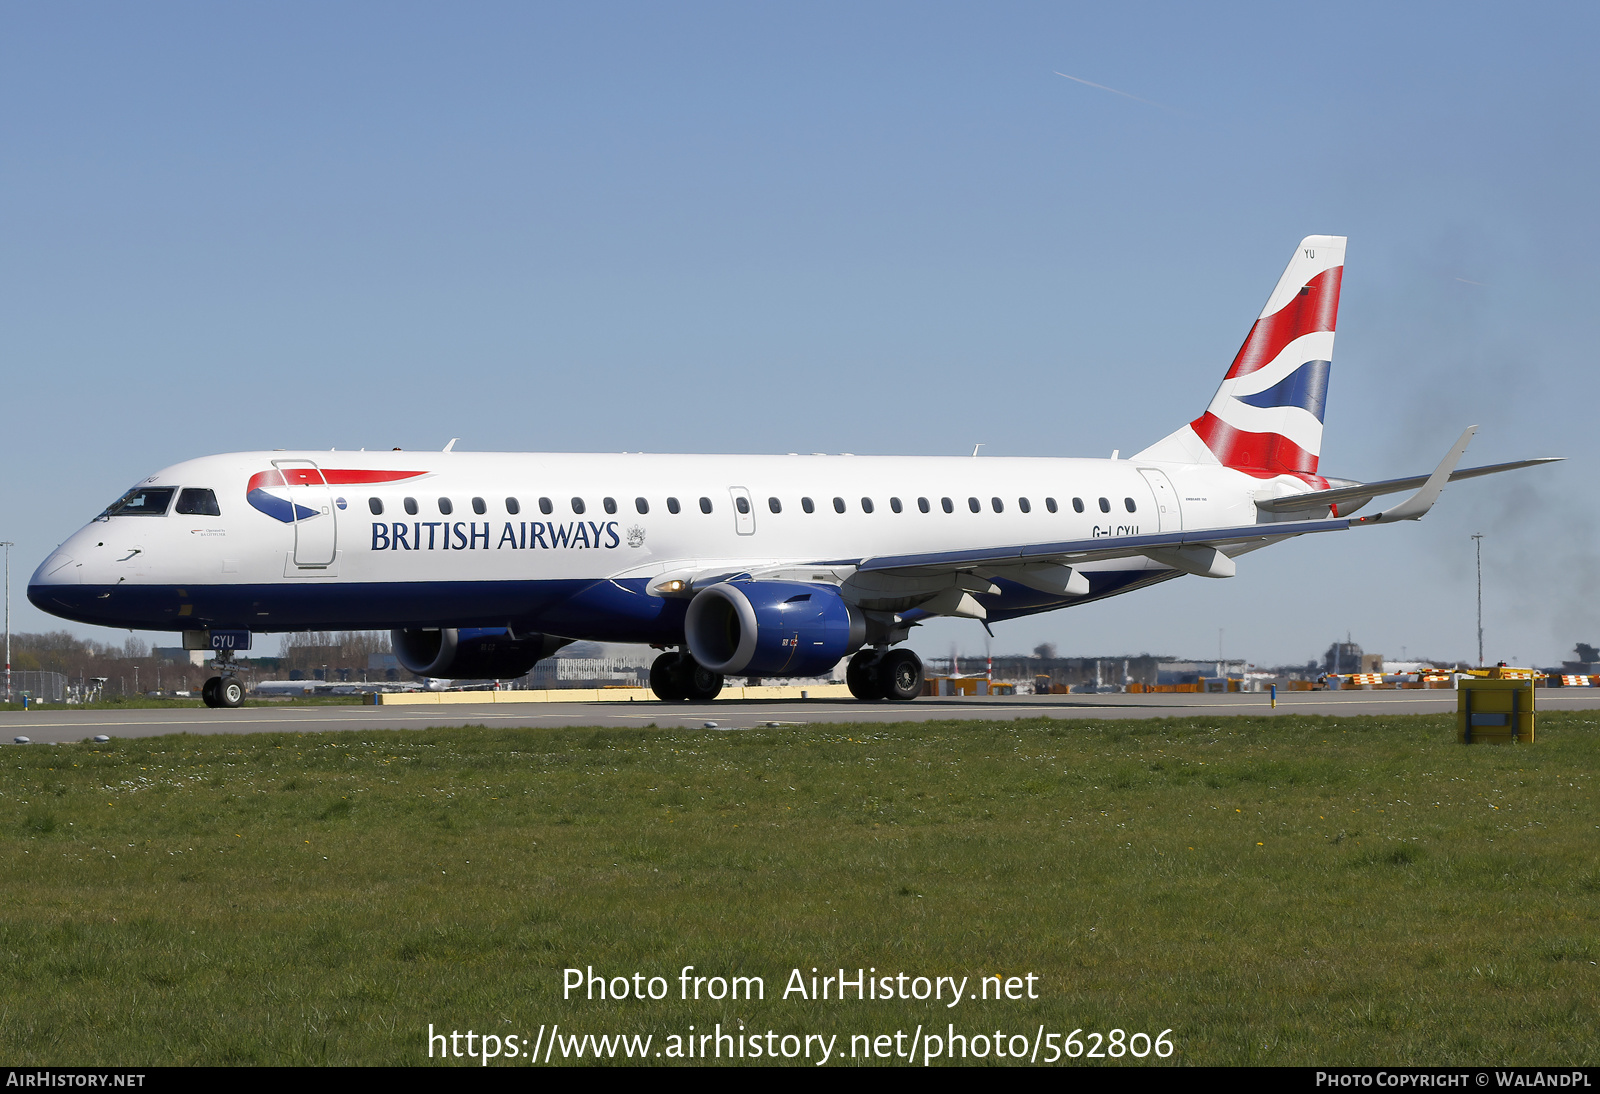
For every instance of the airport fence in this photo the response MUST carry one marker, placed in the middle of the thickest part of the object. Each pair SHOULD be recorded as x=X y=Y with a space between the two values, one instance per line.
x=51 y=687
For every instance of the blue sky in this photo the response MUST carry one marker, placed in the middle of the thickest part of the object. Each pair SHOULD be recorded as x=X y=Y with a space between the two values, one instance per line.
x=881 y=228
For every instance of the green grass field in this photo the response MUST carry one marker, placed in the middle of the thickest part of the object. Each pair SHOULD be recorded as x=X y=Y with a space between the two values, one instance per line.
x=1272 y=890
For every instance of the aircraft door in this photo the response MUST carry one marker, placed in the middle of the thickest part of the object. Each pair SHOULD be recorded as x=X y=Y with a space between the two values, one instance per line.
x=1167 y=510
x=744 y=512
x=316 y=533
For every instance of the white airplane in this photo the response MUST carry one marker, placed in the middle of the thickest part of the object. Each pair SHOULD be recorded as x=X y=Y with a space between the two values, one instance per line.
x=765 y=566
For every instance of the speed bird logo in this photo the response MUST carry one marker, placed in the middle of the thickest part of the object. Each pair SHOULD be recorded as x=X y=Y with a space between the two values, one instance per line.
x=274 y=492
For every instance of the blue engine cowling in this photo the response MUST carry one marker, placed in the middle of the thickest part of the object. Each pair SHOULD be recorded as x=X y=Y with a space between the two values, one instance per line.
x=471 y=653
x=772 y=628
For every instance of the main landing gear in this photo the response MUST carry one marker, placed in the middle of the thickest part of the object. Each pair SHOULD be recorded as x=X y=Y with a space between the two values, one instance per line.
x=885 y=674
x=676 y=677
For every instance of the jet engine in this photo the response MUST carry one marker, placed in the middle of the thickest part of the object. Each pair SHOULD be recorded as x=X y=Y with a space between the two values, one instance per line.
x=772 y=628
x=472 y=653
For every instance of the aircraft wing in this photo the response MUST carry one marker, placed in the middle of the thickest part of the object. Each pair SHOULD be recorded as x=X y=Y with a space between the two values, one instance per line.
x=1350 y=498
x=943 y=582
x=1067 y=552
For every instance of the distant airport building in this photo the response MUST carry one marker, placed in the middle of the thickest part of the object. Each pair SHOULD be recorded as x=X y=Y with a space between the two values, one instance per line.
x=1192 y=672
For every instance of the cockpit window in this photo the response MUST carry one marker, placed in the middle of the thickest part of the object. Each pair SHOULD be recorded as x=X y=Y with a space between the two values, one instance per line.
x=143 y=501
x=194 y=501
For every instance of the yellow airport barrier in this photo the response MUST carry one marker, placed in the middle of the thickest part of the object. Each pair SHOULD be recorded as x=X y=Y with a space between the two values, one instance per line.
x=1495 y=711
x=597 y=695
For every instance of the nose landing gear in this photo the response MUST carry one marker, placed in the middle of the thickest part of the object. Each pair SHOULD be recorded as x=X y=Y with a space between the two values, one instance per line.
x=222 y=691
x=226 y=690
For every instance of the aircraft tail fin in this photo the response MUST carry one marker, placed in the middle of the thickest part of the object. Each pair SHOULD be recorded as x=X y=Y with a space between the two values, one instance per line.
x=1266 y=418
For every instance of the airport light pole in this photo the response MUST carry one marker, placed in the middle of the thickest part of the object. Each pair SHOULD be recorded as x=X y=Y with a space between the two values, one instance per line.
x=1477 y=540
x=7 y=544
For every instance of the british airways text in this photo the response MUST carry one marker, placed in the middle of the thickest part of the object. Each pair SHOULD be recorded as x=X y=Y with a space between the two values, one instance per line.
x=471 y=535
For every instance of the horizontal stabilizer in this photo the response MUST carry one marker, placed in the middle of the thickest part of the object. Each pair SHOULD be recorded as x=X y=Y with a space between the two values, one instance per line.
x=1350 y=498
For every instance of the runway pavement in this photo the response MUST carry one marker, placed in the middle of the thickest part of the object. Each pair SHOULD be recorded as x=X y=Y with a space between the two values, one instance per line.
x=61 y=724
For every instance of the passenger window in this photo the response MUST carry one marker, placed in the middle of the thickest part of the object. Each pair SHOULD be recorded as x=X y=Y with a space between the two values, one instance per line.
x=195 y=501
x=999 y=506
x=1127 y=504
x=546 y=506
x=948 y=505
x=1050 y=504
x=742 y=504
x=1077 y=505
x=975 y=505
x=445 y=507
x=513 y=506
x=578 y=506
x=866 y=505
x=894 y=504
x=705 y=505
x=808 y=505
x=775 y=505
x=411 y=506
x=1025 y=505
x=479 y=507
x=922 y=504
x=609 y=505
x=376 y=505
x=1105 y=505
x=673 y=506
x=838 y=505
x=641 y=505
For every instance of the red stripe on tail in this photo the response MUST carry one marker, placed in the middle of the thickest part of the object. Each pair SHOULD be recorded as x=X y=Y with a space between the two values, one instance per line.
x=1260 y=454
x=1305 y=313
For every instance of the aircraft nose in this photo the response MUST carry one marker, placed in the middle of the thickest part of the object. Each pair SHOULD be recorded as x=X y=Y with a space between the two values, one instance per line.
x=59 y=569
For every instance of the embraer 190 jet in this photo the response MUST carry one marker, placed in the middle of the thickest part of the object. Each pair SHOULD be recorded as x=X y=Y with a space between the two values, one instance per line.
x=759 y=566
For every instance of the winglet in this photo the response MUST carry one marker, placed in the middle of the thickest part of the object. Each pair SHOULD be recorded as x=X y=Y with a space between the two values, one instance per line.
x=1418 y=504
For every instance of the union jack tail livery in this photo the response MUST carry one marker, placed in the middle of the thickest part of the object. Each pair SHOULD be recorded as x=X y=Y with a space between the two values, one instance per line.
x=1266 y=418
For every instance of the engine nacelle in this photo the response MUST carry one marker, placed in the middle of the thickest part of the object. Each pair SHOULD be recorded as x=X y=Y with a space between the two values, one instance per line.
x=772 y=628
x=471 y=653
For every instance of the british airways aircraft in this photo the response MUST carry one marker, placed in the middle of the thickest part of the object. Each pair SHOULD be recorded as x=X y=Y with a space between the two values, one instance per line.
x=760 y=566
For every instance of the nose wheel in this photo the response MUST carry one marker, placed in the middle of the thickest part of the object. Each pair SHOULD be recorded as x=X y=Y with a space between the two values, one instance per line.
x=222 y=691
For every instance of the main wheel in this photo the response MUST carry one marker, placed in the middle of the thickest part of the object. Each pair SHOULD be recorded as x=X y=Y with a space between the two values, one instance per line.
x=665 y=680
x=861 y=675
x=700 y=684
x=230 y=692
x=208 y=691
x=900 y=675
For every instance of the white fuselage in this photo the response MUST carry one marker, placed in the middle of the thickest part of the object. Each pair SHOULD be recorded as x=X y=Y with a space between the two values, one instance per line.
x=323 y=541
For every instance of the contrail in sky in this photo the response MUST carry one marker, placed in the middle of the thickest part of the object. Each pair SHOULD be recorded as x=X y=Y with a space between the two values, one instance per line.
x=1114 y=91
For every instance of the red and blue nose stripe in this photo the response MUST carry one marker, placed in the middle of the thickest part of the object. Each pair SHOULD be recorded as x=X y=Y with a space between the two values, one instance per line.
x=279 y=508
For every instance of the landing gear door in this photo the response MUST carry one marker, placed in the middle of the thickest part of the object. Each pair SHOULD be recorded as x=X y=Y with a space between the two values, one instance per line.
x=744 y=513
x=316 y=536
x=1167 y=510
